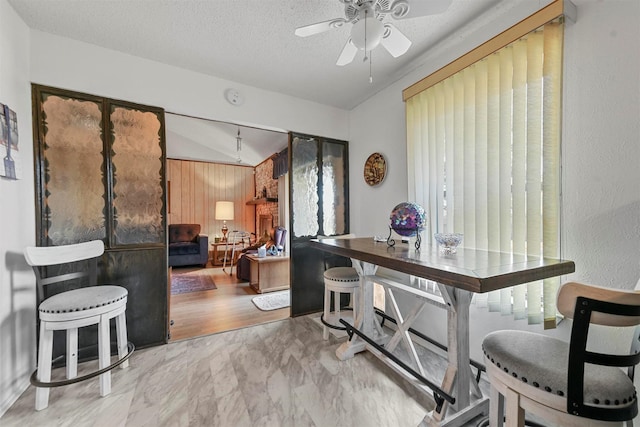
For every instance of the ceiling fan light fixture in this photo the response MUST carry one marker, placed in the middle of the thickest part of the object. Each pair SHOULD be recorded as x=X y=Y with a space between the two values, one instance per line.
x=367 y=33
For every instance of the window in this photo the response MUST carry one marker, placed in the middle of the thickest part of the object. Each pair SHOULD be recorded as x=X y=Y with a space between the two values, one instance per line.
x=484 y=158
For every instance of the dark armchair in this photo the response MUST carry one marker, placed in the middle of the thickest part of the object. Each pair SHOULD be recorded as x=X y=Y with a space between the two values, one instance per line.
x=187 y=246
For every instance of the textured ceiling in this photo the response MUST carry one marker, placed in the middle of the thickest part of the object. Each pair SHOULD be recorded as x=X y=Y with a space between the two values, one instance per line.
x=252 y=42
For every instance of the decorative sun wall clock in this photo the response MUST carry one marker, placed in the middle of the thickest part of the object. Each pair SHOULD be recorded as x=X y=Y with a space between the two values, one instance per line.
x=375 y=168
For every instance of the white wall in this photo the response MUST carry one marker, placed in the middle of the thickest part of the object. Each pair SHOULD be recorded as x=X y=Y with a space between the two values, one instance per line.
x=59 y=62
x=601 y=148
x=601 y=152
x=17 y=282
x=65 y=63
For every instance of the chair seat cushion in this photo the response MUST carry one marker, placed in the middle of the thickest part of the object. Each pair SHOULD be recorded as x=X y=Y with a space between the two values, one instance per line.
x=342 y=274
x=184 y=248
x=83 y=299
x=542 y=362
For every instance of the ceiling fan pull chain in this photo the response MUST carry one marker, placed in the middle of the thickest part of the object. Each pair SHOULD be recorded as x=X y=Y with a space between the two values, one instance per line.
x=366 y=12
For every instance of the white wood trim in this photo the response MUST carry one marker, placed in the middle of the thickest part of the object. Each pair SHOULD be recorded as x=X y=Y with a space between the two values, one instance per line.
x=54 y=255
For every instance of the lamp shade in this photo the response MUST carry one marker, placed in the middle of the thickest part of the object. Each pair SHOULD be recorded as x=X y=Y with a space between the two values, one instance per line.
x=367 y=33
x=224 y=211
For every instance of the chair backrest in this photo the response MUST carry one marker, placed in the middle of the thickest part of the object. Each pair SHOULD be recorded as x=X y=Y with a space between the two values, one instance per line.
x=183 y=232
x=45 y=256
x=280 y=238
x=588 y=304
x=571 y=291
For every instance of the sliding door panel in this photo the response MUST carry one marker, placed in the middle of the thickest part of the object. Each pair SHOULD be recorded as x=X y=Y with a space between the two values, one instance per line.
x=319 y=205
x=100 y=175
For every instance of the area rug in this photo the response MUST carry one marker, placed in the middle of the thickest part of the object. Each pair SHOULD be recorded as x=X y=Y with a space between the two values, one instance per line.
x=272 y=300
x=190 y=280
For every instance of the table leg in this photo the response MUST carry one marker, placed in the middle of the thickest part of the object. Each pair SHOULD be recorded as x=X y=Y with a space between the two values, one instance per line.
x=458 y=376
x=365 y=320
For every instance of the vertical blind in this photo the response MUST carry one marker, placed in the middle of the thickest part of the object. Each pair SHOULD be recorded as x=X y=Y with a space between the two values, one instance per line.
x=484 y=158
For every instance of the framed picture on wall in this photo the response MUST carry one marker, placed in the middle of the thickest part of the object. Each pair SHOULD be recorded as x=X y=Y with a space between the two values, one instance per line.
x=10 y=163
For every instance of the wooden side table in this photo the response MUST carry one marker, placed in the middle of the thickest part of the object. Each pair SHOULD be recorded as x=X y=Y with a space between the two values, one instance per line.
x=268 y=274
x=217 y=252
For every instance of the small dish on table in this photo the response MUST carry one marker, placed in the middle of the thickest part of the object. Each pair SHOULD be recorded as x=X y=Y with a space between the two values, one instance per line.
x=448 y=242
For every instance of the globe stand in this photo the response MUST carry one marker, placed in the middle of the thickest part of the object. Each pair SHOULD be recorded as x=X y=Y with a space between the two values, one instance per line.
x=414 y=232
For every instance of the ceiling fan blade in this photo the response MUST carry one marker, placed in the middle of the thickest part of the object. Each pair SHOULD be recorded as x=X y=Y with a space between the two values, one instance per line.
x=348 y=53
x=416 y=8
x=319 y=27
x=394 y=41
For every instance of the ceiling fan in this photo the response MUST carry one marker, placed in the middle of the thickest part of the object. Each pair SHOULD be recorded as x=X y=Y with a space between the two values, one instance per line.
x=368 y=29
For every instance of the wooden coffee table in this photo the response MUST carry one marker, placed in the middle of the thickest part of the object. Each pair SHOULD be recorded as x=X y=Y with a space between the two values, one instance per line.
x=270 y=273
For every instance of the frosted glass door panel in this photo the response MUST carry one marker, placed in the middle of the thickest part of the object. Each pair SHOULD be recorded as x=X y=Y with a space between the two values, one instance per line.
x=333 y=189
x=137 y=161
x=73 y=178
x=304 y=165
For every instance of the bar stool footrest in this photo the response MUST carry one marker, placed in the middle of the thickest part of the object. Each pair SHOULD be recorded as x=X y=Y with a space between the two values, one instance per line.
x=34 y=376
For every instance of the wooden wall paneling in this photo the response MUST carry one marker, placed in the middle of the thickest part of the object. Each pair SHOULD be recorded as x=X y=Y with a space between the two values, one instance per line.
x=211 y=202
x=177 y=192
x=199 y=193
x=249 y=210
x=175 y=170
x=220 y=195
x=196 y=186
x=187 y=206
x=230 y=194
x=168 y=175
x=239 y=199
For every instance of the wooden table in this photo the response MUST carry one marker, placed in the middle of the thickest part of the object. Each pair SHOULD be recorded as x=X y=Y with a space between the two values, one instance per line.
x=270 y=273
x=458 y=276
x=219 y=252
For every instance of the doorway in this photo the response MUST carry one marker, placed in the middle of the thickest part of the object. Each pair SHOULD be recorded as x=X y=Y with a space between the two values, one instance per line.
x=194 y=188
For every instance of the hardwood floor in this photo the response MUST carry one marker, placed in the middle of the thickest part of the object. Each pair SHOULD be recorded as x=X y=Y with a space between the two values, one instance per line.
x=229 y=307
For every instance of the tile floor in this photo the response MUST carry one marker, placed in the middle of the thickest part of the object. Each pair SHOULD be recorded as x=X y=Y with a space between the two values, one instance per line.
x=276 y=374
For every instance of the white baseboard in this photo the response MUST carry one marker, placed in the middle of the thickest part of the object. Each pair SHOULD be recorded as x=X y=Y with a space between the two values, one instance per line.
x=19 y=387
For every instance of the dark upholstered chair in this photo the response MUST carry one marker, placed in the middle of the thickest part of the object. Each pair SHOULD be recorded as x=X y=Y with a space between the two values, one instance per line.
x=567 y=384
x=187 y=246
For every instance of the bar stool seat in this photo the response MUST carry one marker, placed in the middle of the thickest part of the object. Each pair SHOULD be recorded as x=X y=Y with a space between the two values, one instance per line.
x=338 y=280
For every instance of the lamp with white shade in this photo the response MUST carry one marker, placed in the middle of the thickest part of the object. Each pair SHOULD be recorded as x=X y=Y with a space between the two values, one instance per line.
x=224 y=212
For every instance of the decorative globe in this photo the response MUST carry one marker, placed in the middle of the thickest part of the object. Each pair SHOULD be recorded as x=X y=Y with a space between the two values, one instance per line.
x=407 y=219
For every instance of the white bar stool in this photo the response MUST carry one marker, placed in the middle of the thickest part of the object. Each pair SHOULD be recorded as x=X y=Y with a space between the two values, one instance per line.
x=339 y=280
x=70 y=310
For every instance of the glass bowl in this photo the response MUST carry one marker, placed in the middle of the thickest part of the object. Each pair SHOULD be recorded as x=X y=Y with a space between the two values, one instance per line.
x=448 y=242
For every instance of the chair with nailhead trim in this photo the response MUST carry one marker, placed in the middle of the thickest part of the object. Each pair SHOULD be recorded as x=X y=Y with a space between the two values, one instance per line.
x=75 y=308
x=561 y=382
